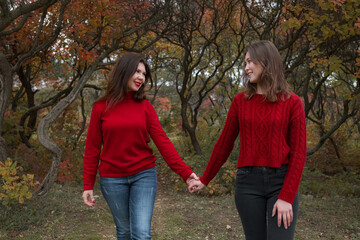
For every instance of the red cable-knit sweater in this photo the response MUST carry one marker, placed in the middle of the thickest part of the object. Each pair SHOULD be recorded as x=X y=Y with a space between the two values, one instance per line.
x=271 y=134
x=118 y=139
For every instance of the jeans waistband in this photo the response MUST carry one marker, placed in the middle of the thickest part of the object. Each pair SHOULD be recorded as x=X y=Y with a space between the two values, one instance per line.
x=256 y=169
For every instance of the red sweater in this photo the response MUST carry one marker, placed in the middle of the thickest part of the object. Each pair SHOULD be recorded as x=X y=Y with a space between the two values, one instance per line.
x=271 y=134
x=119 y=138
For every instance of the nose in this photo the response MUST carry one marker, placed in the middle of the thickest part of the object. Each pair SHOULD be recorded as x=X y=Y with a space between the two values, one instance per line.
x=246 y=67
x=142 y=77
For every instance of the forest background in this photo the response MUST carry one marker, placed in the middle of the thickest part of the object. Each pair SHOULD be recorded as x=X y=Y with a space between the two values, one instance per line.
x=55 y=56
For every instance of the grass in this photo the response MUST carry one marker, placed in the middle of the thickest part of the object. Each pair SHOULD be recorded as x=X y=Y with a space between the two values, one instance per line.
x=324 y=214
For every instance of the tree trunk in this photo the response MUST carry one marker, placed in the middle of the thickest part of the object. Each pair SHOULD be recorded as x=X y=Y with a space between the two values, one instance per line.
x=43 y=128
x=3 y=150
x=24 y=76
x=194 y=141
x=191 y=130
x=6 y=82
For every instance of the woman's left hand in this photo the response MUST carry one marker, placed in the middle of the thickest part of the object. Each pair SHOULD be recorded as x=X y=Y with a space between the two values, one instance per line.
x=284 y=212
x=192 y=176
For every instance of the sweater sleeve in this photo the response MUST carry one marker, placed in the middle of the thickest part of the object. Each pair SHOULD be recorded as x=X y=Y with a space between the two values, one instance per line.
x=165 y=146
x=92 y=149
x=297 y=143
x=223 y=146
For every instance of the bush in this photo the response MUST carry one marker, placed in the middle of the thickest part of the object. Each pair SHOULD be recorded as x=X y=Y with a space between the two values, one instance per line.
x=14 y=188
x=318 y=184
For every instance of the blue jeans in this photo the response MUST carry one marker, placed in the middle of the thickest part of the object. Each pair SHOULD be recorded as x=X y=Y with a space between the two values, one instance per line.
x=257 y=189
x=131 y=201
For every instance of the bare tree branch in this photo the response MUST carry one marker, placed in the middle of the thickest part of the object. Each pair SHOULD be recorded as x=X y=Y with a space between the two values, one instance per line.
x=9 y=16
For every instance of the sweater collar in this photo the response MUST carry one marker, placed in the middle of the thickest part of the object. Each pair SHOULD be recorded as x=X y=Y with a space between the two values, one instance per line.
x=130 y=95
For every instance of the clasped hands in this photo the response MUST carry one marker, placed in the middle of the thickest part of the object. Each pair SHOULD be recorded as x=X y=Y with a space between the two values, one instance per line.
x=283 y=208
x=194 y=183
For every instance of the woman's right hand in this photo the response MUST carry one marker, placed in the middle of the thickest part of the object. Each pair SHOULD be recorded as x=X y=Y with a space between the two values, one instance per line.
x=88 y=197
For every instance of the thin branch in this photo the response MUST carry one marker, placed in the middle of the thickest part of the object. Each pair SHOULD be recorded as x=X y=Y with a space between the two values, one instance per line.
x=50 y=40
x=9 y=16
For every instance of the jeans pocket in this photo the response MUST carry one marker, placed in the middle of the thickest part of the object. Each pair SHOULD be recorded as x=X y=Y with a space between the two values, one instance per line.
x=242 y=171
x=242 y=174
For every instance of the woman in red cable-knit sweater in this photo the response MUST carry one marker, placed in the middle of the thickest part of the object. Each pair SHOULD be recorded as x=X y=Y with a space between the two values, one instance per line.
x=271 y=123
x=117 y=145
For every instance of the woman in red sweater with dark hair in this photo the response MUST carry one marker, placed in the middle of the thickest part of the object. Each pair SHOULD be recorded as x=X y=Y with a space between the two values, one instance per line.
x=271 y=123
x=121 y=125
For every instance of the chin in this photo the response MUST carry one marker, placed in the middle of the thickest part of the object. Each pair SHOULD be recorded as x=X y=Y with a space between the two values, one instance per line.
x=134 y=89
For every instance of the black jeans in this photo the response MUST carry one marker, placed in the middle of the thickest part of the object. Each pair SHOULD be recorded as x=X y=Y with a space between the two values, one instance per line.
x=256 y=192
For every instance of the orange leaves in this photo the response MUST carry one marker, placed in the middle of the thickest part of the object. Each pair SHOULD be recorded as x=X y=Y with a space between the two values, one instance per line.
x=164 y=104
x=87 y=56
x=338 y=2
x=357 y=24
x=357 y=74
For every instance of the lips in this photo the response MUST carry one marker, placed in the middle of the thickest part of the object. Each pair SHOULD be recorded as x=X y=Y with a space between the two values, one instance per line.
x=138 y=84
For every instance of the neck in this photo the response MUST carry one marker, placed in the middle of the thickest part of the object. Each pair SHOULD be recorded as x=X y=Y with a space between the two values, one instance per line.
x=259 y=90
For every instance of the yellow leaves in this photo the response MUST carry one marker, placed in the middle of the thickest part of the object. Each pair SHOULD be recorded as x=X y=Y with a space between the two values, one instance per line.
x=318 y=61
x=327 y=32
x=334 y=63
x=328 y=65
x=297 y=9
x=333 y=18
x=14 y=188
x=330 y=5
x=292 y=23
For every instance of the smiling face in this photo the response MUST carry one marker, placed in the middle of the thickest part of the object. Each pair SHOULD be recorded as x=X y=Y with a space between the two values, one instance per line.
x=137 y=79
x=252 y=69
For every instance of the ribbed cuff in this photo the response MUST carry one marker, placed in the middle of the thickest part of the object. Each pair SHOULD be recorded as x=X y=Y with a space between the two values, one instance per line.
x=203 y=181
x=286 y=196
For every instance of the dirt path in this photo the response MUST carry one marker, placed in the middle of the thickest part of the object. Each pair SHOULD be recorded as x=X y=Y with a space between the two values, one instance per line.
x=180 y=215
x=177 y=215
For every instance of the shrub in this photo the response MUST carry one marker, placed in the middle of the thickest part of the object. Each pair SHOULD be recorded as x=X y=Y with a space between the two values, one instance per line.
x=319 y=184
x=13 y=187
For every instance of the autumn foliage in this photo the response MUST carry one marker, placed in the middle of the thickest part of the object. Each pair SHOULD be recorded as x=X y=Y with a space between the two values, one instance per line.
x=55 y=56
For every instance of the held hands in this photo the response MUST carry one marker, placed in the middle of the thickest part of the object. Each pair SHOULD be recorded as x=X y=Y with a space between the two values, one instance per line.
x=192 y=177
x=194 y=183
x=285 y=213
x=88 y=197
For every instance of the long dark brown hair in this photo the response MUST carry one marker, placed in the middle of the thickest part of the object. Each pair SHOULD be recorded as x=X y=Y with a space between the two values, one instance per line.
x=272 y=79
x=117 y=87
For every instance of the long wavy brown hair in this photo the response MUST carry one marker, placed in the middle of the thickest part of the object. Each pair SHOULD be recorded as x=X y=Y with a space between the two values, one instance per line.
x=117 y=87
x=272 y=79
